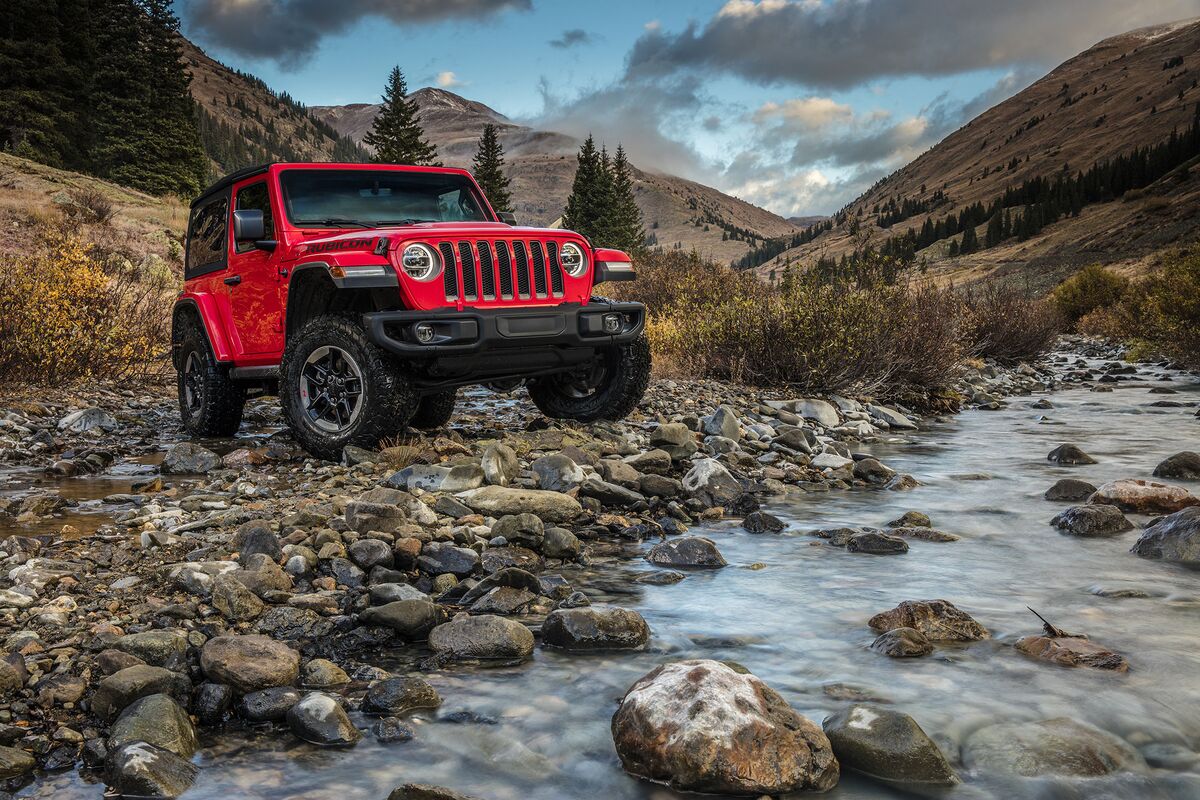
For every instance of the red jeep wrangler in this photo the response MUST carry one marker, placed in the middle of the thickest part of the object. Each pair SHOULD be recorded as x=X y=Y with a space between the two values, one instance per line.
x=366 y=294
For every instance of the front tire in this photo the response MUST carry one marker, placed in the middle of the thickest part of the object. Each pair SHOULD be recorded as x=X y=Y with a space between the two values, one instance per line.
x=434 y=410
x=210 y=403
x=610 y=388
x=338 y=389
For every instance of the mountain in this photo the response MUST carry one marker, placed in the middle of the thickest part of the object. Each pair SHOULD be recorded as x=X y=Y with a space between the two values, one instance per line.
x=1127 y=92
x=678 y=213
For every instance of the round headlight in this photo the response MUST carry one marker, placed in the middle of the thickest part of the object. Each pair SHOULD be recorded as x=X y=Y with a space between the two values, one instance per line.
x=421 y=262
x=573 y=261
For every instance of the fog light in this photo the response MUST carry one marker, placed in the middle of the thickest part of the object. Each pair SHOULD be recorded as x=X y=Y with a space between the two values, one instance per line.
x=424 y=332
x=612 y=323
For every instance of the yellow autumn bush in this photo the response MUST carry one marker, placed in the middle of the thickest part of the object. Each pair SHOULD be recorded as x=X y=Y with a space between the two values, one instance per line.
x=66 y=314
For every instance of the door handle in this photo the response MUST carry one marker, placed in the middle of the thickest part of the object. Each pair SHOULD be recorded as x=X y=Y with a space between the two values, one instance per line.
x=233 y=280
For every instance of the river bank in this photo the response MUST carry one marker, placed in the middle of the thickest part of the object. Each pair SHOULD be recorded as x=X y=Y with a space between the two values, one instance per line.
x=317 y=556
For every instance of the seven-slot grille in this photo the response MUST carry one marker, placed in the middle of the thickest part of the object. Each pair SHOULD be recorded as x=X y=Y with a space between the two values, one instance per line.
x=478 y=267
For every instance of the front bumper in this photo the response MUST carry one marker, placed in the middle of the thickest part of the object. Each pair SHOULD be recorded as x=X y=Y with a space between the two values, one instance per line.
x=478 y=330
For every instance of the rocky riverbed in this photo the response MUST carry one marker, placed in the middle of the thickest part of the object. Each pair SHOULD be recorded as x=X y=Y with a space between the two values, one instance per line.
x=734 y=591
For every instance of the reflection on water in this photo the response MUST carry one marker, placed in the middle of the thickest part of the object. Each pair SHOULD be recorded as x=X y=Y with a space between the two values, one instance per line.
x=540 y=730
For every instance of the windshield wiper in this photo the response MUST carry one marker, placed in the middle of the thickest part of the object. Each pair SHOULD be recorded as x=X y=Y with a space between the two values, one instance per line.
x=342 y=222
x=406 y=221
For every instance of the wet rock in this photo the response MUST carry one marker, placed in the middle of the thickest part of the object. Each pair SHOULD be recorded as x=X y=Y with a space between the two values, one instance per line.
x=421 y=791
x=438 y=558
x=709 y=481
x=888 y=746
x=701 y=726
x=873 y=472
x=121 y=688
x=1070 y=489
x=1092 y=521
x=1072 y=651
x=158 y=720
x=482 y=637
x=557 y=473
x=894 y=419
x=269 y=705
x=321 y=673
x=560 y=543
x=249 y=663
x=212 y=702
x=924 y=534
x=234 y=600
x=410 y=619
x=159 y=648
x=911 y=519
x=525 y=530
x=1069 y=455
x=391 y=729
x=498 y=501
x=877 y=543
x=1144 y=497
x=500 y=464
x=687 y=551
x=143 y=770
x=189 y=458
x=87 y=419
x=1181 y=466
x=938 y=620
x=14 y=762
x=318 y=719
x=397 y=696
x=902 y=643
x=762 y=522
x=1174 y=538
x=595 y=628
x=1058 y=746
x=504 y=600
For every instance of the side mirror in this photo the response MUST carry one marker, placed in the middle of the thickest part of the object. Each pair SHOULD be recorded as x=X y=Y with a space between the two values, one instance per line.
x=507 y=217
x=248 y=225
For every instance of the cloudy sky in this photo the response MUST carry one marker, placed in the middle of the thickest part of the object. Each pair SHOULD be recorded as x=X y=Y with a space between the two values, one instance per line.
x=797 y=105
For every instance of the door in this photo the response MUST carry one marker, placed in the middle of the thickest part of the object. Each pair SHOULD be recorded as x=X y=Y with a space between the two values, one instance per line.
x=254 y=280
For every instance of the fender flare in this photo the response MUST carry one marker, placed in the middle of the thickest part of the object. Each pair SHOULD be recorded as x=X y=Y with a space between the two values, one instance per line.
x=386 y=279
x=205 y=308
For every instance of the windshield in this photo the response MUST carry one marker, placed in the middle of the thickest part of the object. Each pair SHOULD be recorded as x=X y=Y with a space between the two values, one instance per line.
x=369 y=198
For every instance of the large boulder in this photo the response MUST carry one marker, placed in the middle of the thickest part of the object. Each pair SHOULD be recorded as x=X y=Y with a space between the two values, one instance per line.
x=557 y=472
x=902 y=643
x=877 y=543
x=1181 y=466
x=400 y=695
x=818 y=411
x=1072 y=651
x=436 y=478
x=524 y=530
x=1175 y=538
x=15 y=762
x=709 y=481
x=500 y=464
x=723 y=422
x=159 y=648
x=701 y=726
x=319 y=719
x=231 y=597
x=938 y=620
x=1069 y=455
x=386 y=510
x=595 y=628
x=1144 y=497
x=482 y=637
x=500 y=500
x=688 y=551
x=1058 y=746
x=894 y=419
x=158 y=720
x=1092 y=521
x=412 y=619
x=140 y=769
x=1070 y=489
x=189 y=458
x=87 y=419
x=249 y=663
x=132 y=683
x=438 y=558
x=888 y=746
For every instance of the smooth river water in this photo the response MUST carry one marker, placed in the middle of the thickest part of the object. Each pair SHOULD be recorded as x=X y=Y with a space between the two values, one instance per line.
x=794 y=611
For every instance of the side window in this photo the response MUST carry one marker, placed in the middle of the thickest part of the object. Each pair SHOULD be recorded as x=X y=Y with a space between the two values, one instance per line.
x=206 y=238
x=255 y=197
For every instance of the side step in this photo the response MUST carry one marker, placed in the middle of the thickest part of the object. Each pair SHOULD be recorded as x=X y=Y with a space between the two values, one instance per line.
x=254 y=373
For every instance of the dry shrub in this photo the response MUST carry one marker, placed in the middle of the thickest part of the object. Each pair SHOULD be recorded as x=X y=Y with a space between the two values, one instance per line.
x=65 y=315
x=1006 y=322
x=1161 y=313
x=1104 y=323
x=90 y=206
x=1088 y=290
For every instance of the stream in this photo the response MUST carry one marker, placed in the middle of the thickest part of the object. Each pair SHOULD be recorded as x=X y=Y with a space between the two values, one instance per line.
x=794 y=610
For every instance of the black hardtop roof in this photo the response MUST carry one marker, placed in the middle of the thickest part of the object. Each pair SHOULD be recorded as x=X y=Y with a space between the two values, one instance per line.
x=229 y=180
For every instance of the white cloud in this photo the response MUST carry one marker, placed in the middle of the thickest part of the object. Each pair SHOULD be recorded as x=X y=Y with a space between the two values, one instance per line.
x=448 y=80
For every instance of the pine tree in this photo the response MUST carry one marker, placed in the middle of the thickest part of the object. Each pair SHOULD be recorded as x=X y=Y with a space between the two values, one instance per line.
x=488 y=167
x=995 y=230
x=585 y=205
x=396 y=133
x=970 y=242
x=628 y=234
x=144 y=117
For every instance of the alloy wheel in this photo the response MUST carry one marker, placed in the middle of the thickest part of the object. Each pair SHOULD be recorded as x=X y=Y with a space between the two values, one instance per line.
x=331 y=389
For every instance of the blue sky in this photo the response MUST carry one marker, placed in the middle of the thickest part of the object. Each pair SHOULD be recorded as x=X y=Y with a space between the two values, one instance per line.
x=797 y=105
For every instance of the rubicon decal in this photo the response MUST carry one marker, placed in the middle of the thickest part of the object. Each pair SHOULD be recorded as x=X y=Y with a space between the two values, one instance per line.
x=338 y=244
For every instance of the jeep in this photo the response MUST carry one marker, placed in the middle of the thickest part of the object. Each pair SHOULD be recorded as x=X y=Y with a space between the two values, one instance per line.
x=366 y=295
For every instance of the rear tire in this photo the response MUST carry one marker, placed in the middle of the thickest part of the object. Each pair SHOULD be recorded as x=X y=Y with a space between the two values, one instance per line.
x=210 y=403
x=434 y=410
x=610 y=389
x=337 y=388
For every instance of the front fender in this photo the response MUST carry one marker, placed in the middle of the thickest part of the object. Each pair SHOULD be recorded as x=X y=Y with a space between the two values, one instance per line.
x=208 y=309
